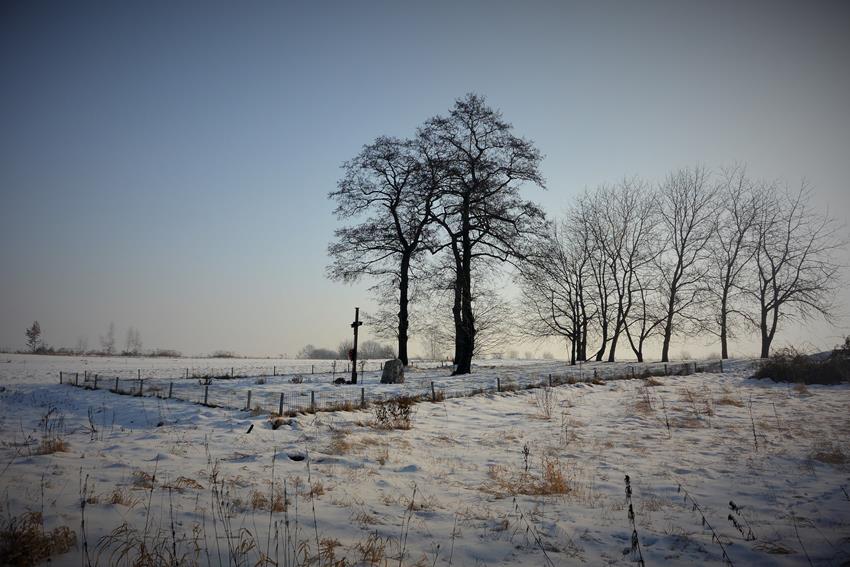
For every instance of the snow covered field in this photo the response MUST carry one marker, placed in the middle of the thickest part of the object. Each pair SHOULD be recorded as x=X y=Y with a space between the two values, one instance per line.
x=526 y=478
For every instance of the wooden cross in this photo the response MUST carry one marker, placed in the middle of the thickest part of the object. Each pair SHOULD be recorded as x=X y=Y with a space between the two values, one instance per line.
x=355 y=325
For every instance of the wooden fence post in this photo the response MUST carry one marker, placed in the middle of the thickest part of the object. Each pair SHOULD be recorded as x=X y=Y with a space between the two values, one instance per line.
x=274 y=370
x=498 y=384
x=187 y=373
x=140 y=386
x=312 y=400
x=77 y=379
x=170 y=389
x=206 y=394
x=139 y=374
x=116 y=384
x=362 y=397
x=280 y=405
x=433 y=392
x=665 y=369
x=312 y=368
x=95 y=381
x=550 y=380
x=721 y=365
x=60 y=376
x=248 y=405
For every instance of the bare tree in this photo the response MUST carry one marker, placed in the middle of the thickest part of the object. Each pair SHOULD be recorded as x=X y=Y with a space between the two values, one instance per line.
x=795 y=270
x=33 y=335
x=624 y=230
x=107 y=342
x=388 y=189
x=731 y=249
x=480 y=208
x=133 y=344
x=598 y=294
x=687 y=213
x=552 y=287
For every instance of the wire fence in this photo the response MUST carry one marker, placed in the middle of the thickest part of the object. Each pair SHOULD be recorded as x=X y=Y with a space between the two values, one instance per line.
x=288 y=397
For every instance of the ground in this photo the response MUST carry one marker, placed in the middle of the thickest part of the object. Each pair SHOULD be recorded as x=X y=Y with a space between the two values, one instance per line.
x=718 y=464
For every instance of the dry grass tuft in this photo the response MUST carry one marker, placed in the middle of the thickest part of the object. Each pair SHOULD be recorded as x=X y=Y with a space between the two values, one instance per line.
x=260 y=501
x=50 y=446
x=122 y=497
x=24 y=541
x=828 y=452
x=551 y=480
x=339 y=445
x=372 y=551
x=801 y=389
x=141 y=479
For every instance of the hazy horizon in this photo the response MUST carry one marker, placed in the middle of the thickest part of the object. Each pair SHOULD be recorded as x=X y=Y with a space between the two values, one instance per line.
x=166 y=165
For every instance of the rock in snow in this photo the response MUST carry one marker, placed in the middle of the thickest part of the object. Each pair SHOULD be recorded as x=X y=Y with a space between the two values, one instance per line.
x=393 y=372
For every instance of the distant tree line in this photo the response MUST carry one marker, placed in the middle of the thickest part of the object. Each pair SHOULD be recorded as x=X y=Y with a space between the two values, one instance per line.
x=433 y=218
x=133 y=345
x=366 y=350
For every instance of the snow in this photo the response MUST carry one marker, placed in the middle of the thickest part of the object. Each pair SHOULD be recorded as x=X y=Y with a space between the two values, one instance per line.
x=462 y=463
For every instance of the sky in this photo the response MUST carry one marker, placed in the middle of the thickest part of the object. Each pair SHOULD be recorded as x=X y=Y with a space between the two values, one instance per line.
x=166 y=164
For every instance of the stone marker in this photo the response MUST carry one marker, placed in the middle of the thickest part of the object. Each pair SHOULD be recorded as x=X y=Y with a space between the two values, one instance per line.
x=393 y=372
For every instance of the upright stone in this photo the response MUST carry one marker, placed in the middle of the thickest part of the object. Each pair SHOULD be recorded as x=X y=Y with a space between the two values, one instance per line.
x=393 y=372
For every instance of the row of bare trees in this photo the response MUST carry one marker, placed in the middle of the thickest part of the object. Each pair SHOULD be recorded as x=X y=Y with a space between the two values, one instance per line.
x=696 y=254
x=431 y=213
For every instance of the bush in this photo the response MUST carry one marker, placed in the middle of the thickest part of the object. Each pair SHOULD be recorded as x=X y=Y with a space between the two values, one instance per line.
x=394 y=414
x=790 y=365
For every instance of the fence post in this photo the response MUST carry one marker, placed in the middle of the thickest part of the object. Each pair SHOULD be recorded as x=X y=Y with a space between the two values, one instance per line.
x=170 y=389
x=280 y=405
x=312 y=400
x=60 y=376
x=206 y=394
x=665 y=369
x=433 y=392
x=248 y=405
x=95 y=381
x=116 y=384
x=550 y=380
x=187 y=373
x=77 y=379
x=274 y=370
x=312 y=367
x=231 y=372
x=139 y=373
x=721 y=365
x=140 y=386
x=498 y=384
x=362 y=397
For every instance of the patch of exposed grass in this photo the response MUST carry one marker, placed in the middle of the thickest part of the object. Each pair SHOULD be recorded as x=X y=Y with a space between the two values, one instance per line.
x=25 y=542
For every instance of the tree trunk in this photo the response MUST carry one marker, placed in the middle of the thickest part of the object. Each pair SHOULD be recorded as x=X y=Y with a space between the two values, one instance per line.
x=724 y=349
x=465 y=339
x=601 y=352
x=403 y=319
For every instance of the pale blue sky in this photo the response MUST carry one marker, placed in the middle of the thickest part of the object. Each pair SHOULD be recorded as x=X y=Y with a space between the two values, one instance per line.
x=166 y=164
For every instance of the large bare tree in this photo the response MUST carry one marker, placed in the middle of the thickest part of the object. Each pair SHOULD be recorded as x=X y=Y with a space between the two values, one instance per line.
x=687 y=212
x=387 y=190
x=480 y=209
x=795 y=268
